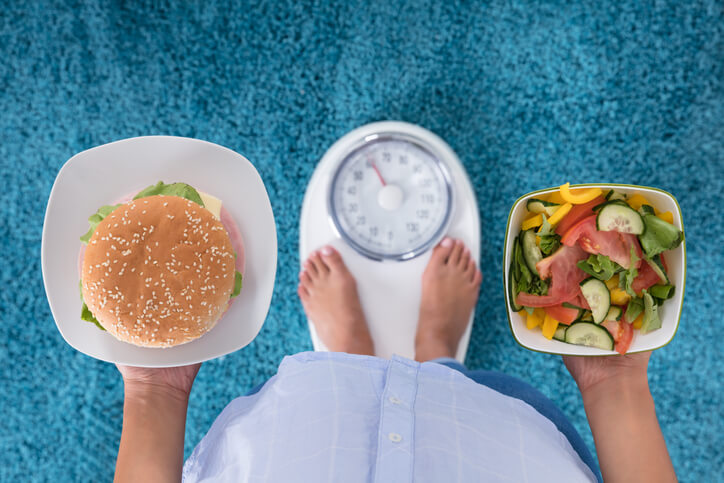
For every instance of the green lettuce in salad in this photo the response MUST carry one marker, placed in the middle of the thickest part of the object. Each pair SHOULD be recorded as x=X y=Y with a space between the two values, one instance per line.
x=527 y=281
x=651 y=320
x=549 y=240
x=659 y=236
x=600 y=266
x=628 y=276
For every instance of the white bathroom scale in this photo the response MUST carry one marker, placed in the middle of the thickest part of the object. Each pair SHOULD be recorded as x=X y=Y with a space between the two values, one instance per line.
x=384 y=195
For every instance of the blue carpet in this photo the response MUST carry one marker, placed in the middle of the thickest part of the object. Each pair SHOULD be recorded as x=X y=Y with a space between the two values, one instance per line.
x=528 y=95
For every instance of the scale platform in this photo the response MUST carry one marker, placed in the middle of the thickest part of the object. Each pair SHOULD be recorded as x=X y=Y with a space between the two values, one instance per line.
x=389 y=289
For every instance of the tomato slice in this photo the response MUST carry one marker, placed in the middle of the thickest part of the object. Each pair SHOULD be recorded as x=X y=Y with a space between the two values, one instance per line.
x=580 y=301
x=577 y=213
x=625 y=339
x=622 y=333
x=645 y=278
x=564 y=315
x=615 y=245
x=564 y=277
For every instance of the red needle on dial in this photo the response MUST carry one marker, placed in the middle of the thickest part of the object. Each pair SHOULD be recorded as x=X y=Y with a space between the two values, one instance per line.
x=374 y=166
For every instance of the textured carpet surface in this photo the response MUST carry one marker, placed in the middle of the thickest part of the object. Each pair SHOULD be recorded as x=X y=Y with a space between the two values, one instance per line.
x=528 y=95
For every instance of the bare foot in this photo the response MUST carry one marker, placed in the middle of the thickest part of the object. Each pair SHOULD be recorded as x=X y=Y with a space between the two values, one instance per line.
x=329 y=296
x=450 y=287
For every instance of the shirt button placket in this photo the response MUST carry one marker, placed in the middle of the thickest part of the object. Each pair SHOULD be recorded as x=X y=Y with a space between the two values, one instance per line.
x=395 y=454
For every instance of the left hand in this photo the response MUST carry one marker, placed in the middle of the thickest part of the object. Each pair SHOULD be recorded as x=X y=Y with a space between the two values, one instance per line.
x=591 y=371
x=177 y=380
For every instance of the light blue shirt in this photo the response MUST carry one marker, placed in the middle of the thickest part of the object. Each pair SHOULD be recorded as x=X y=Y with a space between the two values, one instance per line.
x=328 y=417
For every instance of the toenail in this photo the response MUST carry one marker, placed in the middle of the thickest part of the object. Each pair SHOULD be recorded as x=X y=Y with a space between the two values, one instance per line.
x=327 y=251
x=446 y=242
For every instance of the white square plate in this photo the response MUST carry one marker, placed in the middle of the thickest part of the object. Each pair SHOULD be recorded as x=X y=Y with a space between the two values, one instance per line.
x=670 y=311
x=100 y=176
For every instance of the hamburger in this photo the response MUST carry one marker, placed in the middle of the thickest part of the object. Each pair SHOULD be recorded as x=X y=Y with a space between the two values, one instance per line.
x=160 y=269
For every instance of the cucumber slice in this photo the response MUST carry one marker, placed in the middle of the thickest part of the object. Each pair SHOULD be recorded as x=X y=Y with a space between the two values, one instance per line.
x=620 y=218
x=560 y=333
x=647 y=210
x=614 y=313
x=513 y=277
x=598 y=298
x=586 y=316
x=590 y=335
x=535 y=205
x=513 y=289
x=531 y=252
x=658 y=267
x=615 y=195
x=516 y=268
x=610 y=202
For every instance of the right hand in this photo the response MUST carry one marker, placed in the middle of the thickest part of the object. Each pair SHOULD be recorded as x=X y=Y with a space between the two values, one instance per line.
x=590 y=371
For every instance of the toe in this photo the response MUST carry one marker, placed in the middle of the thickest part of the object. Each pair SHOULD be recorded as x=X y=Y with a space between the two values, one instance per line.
x=442 y=251
x=464 y=259
x=303 y=293
x=306 y=280
x=309 y=267
x=316 y=260
x=457 y=253
x=478 y=278
x=470 y=270
x=332 y=259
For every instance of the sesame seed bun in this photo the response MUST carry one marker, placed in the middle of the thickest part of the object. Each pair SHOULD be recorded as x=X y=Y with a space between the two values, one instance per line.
x=158 y=271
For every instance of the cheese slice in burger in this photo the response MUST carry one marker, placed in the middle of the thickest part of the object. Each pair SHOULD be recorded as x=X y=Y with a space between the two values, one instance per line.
x=159 y=270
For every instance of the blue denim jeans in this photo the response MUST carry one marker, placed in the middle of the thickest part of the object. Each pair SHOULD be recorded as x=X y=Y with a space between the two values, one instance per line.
x=510 y=386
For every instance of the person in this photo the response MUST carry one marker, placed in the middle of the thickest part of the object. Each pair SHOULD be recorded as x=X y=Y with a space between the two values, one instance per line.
x=349 y=416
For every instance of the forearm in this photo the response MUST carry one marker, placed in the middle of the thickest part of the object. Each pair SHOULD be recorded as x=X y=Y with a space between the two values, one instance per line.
x=628 y=438
x=152 y=440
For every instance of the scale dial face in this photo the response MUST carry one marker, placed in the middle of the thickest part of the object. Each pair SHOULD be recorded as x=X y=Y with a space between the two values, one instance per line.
x=391 y=197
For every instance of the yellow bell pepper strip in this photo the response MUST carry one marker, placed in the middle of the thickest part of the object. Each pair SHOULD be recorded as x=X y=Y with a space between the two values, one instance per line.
x=612 y=282
x=537 y=220
x=667 y=216
x=637 y=201
x=556 y=197
x=579 y=196
x=533 y=320
x=639 y=321
x=549 y=327
x=559 y=214
x=619 y=296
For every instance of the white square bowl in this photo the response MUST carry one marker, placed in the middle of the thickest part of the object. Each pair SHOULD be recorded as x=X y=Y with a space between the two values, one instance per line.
x=100 y=176
x=670 y=311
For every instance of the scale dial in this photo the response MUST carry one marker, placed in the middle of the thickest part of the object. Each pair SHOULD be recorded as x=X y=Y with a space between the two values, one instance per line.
x=391 y=197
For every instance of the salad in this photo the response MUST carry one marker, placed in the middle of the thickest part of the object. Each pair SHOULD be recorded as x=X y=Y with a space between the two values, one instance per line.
x=589 y=268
